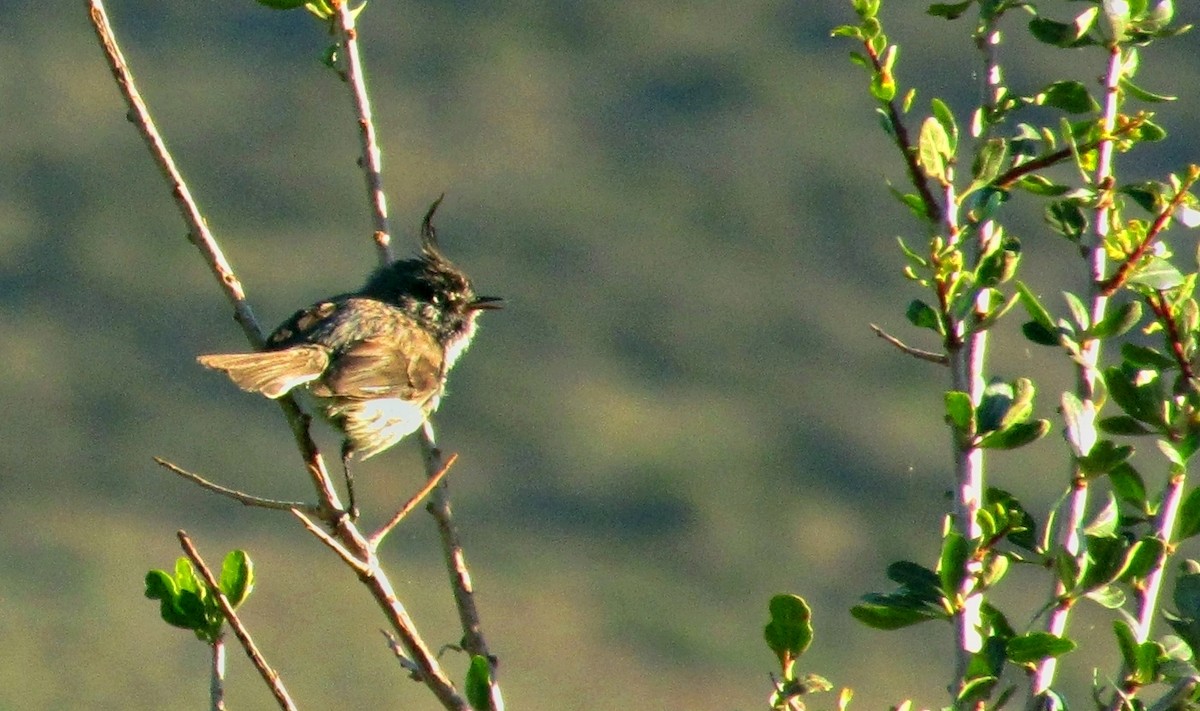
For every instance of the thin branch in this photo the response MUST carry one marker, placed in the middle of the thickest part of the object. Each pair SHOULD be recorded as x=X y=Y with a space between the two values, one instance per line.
x=216 y=685
x=456 y=563
x=365 y=563
x=200 y=235
x=1075 y=504
x=398 y=650
x=1164 y=528
x=1175 y=339
x=198 y=232
x=938 y=358
x=1110 y=285
x=374 y=539
x=344 y=553
x=236 y=495
x=371 y=161
x=269 y=675
x=900 y=133
x=1010 y=177
x=350 y=543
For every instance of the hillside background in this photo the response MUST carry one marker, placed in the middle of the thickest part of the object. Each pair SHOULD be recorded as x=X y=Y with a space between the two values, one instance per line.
x=680 y=412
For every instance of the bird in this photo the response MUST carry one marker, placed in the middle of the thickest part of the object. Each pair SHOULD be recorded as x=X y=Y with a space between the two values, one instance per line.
x=374 y=361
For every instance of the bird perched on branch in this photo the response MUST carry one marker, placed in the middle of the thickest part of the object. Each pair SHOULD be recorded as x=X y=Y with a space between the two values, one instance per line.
x=375 y=360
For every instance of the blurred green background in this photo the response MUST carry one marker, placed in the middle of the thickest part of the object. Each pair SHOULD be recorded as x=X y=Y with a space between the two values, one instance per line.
x=680 y=412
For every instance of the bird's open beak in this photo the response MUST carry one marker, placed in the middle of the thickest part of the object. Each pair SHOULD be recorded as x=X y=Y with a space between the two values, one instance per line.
x=488 y=303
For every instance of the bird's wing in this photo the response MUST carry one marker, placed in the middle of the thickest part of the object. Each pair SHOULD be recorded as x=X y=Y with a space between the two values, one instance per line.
x=401 y=360
x=271 y=373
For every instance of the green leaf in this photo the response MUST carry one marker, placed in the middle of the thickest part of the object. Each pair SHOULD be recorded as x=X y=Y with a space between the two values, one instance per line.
x=1118 y=321
x=186 y=578
x=883 y=86
x=945 y=117
x=1139 y=392
x=1039 y=185
x=995 y=567
x=789 y=631
x=1079 y=312
x=1158 y=274
x=933 y=149
x=479 y=683
x=952 y=563
x=975 y=691
x=237 y=577
x=161 y=586
x=992 y=159
x=1034 y=308
x=1038 y=334
x=922 y=315
x=1104 y=457
x=916 y=579
x=950 y=11
x=1128 y=485
x=1141 y=94
x=1064 y=35
x=1150 y=131
x=998 y=400
x=1110 y=597
x=1189 y=516
x=1126 y=642
x=1105 y=523
x=1067 y=218
x=959 y=411
x=884 y=613
x=999 y=266
x=1187 y=595
x=1172 y=454
x=866 y=9
x=283 y=4
x=1018 y=435
x=1080 y=419
x=1070 y=96
x=1145 y=357
x=1107 y=560
x=192 y=610
x=1146 y=671
x=1035 y=646
x=1123 y=425
x=851 y=31
x=1146 y=556
x=1022 y=527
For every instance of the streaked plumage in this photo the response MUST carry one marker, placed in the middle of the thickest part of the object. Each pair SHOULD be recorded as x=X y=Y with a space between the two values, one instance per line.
x=375 y=360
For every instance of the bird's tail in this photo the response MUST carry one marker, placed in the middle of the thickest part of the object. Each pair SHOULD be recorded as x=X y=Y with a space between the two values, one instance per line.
x=271 y=373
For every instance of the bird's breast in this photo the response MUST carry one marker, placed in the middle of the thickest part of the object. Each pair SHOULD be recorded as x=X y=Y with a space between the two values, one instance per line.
x=373 y=425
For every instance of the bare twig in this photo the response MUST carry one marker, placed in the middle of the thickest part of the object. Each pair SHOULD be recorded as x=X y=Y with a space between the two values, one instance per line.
x=344 y=553
x=200 y=235
x=349 y=542
x=269 y=675
x=236 y=495
x=365 y=563
x=908 y=150
x=372 y=159
x=1110 y=285
x=1076 y=501
x=374 y=539
x=398 y=650
x=939 y=358
x=216 y=686
x=456 y=563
